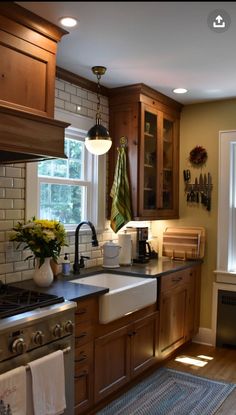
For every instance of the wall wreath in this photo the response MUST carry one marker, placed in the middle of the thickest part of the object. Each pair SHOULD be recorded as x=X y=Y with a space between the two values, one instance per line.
x=198 y=156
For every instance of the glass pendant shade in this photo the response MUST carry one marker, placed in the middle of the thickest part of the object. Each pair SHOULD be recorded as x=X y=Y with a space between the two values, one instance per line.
x=98 y=140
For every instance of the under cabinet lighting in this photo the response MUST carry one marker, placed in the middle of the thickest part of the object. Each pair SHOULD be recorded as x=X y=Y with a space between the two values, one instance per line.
x=68 y=21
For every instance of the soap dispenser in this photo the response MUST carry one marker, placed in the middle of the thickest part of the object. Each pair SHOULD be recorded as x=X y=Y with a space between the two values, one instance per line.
x=66 y=265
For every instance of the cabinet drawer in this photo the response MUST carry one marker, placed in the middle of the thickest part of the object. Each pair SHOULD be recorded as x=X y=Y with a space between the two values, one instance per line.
x=175 y=279
x=83 y=333
x=83 y=355
x=86 y=310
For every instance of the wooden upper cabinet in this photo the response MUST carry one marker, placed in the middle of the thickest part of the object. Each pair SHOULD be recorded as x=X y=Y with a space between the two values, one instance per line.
x=150 y=122
x=28 y=46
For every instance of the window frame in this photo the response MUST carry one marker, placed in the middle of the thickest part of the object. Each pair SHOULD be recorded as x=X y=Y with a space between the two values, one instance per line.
x=96 y=171
x=226 y=238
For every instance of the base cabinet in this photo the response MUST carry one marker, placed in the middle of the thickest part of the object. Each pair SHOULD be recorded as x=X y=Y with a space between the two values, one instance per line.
x=179 y=309
x=85 y=318
x=123 y=354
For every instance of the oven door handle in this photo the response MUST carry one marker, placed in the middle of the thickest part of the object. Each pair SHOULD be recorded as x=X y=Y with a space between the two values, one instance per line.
x=65 y=351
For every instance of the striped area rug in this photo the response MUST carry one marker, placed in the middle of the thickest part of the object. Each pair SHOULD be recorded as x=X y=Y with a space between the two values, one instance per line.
x=170 y=392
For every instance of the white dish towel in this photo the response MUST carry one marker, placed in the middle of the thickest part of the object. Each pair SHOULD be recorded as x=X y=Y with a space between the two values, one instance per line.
x=48 y=384
x=13 y=390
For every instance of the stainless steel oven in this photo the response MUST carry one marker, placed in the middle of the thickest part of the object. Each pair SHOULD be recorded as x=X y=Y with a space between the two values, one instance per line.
x=29 y=335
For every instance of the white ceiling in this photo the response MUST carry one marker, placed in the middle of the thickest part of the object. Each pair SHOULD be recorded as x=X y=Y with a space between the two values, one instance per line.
x=161 y=44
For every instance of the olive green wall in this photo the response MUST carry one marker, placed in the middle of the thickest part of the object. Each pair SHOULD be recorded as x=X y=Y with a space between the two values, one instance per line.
x=200 y=125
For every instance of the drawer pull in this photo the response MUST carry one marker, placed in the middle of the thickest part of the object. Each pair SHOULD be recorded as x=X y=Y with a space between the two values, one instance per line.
x=82 y=357
x=81 y=311
x=177 y=279
x=81 y=336
x=82 y=374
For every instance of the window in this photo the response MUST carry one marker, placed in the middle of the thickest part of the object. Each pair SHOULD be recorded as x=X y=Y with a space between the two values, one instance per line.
x=226 y=249
x=69 y=190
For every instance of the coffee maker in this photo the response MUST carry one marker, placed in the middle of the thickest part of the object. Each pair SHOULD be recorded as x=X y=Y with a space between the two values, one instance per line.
x=141 y=250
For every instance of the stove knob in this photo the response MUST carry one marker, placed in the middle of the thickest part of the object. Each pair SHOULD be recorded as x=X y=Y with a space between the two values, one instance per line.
x=38 y=338
x=57 y=331
x=19 y=346
x=69 y=327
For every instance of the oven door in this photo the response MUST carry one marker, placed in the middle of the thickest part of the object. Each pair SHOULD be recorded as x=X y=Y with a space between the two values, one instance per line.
x=67 y=345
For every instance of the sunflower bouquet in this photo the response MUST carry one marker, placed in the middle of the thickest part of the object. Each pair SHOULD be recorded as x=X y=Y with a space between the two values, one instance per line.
x=43 y=237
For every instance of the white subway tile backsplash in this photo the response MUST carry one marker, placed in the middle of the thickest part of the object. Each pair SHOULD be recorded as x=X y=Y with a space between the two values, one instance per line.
x=70 y=88
x=70 y=107
x=2 y=258
x=64 y=95
x=6 y=182
x=2 y=170
x=88 y=104
x=92 y=97
x=6 y=203
x=83 y=93
x=15 y=277
x=2 y=214
x=21 y=265
x=13 y=193
x=5 y=225
x=59 y=103
x=19 y=183
x=76 y=100
x=18 y=203
x=14 y=214
x=60 y=84
x=6 y=268
x=13 y=172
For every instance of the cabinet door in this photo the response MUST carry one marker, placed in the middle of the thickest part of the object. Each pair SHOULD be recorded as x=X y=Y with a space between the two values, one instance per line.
x=35 y=68
x=83 y=377
x=193 y=310
x=112 y=362
x=143 y=346
x=173 y=306
x=168 y=206
x=150 y=163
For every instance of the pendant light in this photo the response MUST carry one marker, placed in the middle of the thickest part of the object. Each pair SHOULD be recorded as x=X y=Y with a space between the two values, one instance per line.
x=98 y=140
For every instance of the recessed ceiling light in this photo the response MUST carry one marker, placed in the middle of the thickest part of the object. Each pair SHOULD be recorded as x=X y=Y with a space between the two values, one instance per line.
x=68 y=21
x=180 y=90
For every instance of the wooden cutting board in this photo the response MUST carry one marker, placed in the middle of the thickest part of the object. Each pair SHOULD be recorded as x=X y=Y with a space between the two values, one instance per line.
x=184 y=243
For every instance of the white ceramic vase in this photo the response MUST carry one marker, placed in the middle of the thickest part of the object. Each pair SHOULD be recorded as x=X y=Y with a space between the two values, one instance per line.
x=43 y=276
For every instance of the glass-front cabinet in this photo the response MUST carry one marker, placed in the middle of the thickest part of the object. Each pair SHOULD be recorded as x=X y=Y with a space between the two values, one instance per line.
x=157 y=158
x=150 y=122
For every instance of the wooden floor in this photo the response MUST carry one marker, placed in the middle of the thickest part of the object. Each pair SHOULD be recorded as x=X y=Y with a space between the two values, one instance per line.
x=219 y=364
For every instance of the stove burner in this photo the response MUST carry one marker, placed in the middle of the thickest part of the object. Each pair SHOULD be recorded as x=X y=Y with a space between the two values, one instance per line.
x=14 y=300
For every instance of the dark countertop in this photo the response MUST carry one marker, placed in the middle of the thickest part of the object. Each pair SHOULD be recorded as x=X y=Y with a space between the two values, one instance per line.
x=62 y=286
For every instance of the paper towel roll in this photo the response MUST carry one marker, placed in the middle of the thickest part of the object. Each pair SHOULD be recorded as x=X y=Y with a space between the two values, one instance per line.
x=125 y=257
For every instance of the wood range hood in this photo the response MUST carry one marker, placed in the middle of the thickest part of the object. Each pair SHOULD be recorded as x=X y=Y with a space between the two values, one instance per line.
x=28 y=137
x=28 y=46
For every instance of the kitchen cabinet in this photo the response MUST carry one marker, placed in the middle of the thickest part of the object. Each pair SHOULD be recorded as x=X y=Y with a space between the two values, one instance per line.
x=179 y=309
x=85 y=320
x=28 y=46
x=124 y=353
x=150 y=122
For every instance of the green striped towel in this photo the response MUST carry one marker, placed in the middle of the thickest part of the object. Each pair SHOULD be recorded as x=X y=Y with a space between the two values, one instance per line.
x=120 y=193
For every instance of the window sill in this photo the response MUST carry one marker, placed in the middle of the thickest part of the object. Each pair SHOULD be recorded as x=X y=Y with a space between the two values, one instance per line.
x=225 y=276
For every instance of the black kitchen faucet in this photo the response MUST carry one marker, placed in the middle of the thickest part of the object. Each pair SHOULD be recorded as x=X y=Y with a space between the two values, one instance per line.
x=80 y=263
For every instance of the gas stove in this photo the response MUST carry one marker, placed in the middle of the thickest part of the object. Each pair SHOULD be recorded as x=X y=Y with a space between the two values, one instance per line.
x=14 y=300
